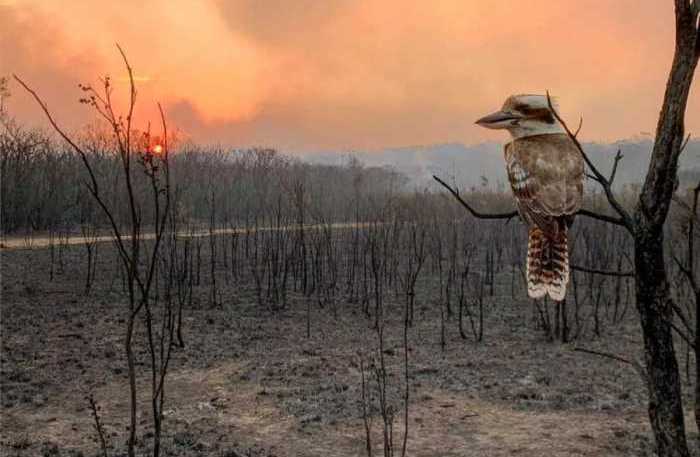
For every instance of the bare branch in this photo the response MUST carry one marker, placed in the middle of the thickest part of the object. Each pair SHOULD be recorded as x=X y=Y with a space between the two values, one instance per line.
x=474 y=212
x=601 y=217
x=94 y=409
x=93 y=186
x=613 y=172
x=689 y=269
x=683 y=335
x=685 y=143
x=683 y=318
x=686 y=272
x=633 y=363
x=593 y=177
x=604 y=354
x=132 y=94
x=578 y=129
x=625 y=218
x=512 y=214
x=602 y=272
x=682 y=204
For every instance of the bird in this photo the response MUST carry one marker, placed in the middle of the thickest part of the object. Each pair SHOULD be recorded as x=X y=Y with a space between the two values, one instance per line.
x=546 y=173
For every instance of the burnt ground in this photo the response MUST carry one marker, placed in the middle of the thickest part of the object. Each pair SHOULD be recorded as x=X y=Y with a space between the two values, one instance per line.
x=250 y=382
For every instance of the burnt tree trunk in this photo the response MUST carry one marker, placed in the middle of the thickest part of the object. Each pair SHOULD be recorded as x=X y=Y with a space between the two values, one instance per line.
x=697 y=362
x=652 y=286
x=663 y=378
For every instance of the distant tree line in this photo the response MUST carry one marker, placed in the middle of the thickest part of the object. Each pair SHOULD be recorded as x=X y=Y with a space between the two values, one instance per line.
x=41 y=183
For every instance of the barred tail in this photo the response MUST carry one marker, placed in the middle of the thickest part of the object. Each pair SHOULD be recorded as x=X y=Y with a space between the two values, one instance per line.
x=548 y=262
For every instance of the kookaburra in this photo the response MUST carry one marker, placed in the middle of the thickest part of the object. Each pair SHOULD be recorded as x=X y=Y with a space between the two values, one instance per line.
x=546 y=173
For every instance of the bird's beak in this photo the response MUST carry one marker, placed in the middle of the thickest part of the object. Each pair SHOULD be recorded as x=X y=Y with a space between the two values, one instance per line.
x=498 y=120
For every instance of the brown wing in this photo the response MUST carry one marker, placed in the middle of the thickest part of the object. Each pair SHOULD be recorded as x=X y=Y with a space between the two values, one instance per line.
x=546 y=174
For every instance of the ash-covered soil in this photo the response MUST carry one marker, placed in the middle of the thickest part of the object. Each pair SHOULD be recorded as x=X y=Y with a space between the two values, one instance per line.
x=251 y=383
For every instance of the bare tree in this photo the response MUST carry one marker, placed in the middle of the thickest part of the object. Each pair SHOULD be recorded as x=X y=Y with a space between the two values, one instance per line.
x=645 y=225
x=139 y=264
x=688 y=267
x=652 y=290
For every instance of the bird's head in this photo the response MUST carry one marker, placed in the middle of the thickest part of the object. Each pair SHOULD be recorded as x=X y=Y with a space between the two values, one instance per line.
x=524 y=115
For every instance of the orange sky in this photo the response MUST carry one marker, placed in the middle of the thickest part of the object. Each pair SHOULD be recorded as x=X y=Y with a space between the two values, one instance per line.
x=347 y=74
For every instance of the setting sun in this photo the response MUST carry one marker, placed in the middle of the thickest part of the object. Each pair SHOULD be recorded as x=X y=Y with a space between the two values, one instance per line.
x=342 y=75
x=344 y=228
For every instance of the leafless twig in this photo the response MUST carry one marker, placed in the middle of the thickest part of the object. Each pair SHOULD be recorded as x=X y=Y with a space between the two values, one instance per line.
x=509 y=215
x=625 y=219
x=633 y=363
x=94 y=409
x=602 y=272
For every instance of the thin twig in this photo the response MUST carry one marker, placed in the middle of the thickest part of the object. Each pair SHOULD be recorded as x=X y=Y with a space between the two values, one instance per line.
x=633 y=363
x=98 y=425
x=92 y=186
x=602 y=272
x=684 y=336
x=625 y=218
x=618 y=157
x=685 y=143
x=600 y=217
x=578 y=129
x=604 y=354
x=475 y=213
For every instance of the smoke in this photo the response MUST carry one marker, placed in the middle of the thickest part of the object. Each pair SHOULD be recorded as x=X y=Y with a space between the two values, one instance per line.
x=343 y=74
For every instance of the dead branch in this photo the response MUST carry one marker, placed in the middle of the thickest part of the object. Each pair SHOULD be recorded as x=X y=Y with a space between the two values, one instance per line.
x=475 y=213
x=625 y=218
x=685 y=337
x=602 y=272
x=618 y=157
x=633 y=363
x=600 y=217
x=99 y=428
x=509 y=215
x=93 y=187
x=131 y=255
x=580 y=124
x=688 y=270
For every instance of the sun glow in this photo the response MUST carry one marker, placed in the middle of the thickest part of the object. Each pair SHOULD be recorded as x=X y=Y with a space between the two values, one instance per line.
x=346 y=75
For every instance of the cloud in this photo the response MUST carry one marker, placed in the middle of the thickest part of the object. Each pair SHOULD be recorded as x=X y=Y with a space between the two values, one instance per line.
x=32 y=46
x=281 y=23
x=343 y=74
